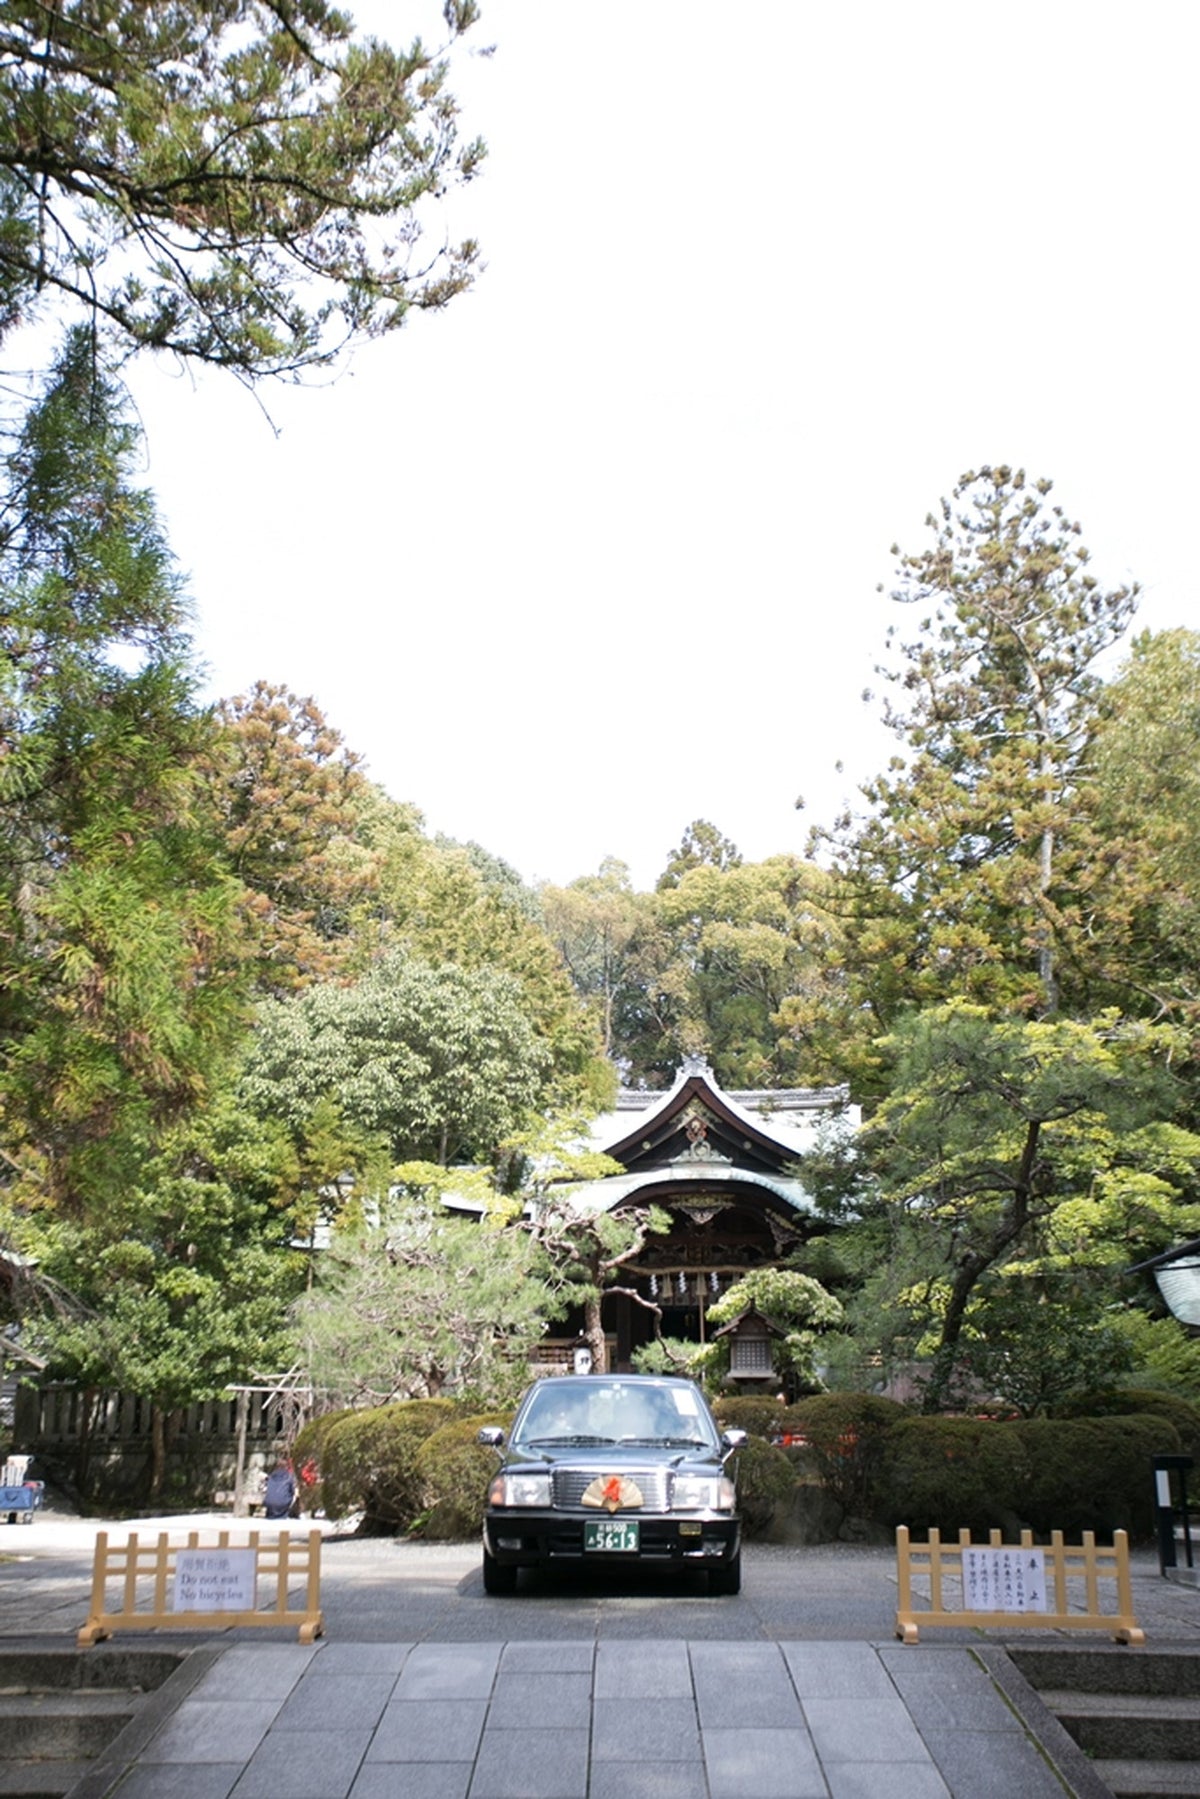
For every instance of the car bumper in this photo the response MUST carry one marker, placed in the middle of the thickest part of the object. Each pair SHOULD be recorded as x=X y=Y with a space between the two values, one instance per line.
x=532 y=1539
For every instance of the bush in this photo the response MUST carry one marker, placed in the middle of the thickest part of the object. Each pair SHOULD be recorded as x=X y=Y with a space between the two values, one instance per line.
x=1149 y=1402
x=765 y=1481
x=761 y=1417
x=369 y=1460
x=1093 y=1473
x=454 y=1468
x=845 y=1435
x=309 y=1446
x=951 y=1473
x=1048 y=1474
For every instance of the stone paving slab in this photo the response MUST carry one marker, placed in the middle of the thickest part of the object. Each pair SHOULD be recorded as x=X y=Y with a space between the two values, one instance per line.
x=641 y=1688
x=491 y=1721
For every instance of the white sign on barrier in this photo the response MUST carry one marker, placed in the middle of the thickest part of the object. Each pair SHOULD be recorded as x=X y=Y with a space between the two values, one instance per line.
x=1004 y=1580
x=215 y=1580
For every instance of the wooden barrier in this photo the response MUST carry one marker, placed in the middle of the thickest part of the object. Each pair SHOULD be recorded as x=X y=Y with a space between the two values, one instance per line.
x=1029 y=1579
x=154 y=1562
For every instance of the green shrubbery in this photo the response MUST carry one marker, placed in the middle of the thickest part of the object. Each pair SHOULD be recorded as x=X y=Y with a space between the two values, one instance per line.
x=765 y=1481
x=1048 y=1474
x=760 y=1416
x=369 y=1460
x=419 y=1462
x=844 y=1437
x=1149 y=1402
x=454 y=1468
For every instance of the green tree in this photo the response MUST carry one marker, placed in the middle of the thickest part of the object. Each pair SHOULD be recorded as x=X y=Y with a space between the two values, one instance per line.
x=444 y=902
x=245 y=184
x=284 y=791
x=181 y=1285
x=1145 y=766
x=701 y=846
x=120 y=994
x=975 y=872
x=441 y=1063
x=421 y=1303
x=593 y=923
x=760 y=954
x=1009 y=1139
x=799 y=1305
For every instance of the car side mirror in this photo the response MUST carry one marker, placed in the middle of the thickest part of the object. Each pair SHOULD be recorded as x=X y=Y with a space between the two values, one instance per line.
x=492 y=1437
x=731 y=1440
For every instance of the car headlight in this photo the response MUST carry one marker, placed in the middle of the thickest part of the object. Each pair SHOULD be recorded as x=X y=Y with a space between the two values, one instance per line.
x=704 y=1493
x=520 y=1489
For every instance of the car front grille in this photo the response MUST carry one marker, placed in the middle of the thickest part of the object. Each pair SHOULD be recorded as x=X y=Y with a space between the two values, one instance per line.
x=570 y=1484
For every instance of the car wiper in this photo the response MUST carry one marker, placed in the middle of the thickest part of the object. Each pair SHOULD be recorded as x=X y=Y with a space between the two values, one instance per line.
x=669 y=1442
x=575 y=1442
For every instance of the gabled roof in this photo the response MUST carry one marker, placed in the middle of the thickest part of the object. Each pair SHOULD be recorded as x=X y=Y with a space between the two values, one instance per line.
x=777 y=1123
x=697 y=1135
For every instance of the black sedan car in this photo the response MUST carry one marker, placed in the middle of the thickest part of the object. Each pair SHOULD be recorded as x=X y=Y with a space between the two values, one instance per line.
x=603 y=1469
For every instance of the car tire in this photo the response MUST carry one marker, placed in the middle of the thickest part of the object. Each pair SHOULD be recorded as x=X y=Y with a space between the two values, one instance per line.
x=725 y=1581
x=499 y=1578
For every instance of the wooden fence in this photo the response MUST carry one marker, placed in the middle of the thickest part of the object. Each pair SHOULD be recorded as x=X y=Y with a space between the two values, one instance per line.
x=1016 y=1586
x=142 y=1572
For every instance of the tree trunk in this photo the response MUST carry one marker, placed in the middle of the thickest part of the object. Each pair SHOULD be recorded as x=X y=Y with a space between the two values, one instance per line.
x=158 y=1450
x=593 y=1330
x=1013 y=1222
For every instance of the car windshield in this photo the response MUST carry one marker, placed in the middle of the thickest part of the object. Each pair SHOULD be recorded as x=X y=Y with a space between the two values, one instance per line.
x=597 y=1411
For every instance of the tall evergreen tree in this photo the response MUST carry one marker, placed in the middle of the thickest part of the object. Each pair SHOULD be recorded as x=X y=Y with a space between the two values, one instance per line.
x=975 y=870
x=118 y=995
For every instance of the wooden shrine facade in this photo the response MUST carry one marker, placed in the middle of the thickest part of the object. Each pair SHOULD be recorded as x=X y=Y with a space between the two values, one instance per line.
x=723 y=1166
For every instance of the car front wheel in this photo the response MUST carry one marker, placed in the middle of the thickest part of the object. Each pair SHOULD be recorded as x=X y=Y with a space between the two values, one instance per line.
x=499 y=1578
x=727 y=1579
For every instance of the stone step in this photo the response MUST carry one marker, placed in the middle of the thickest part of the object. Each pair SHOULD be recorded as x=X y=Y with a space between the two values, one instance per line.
x=61 y=1726
x=1105 y=1668
x=1150 y=1779
x=36 y=1670
x=40 y=1780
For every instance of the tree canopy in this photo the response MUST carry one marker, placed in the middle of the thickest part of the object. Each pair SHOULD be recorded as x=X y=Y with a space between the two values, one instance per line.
x=246 y=184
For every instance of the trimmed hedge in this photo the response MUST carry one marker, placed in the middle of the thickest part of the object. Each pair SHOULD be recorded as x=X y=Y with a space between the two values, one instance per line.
x=1148 y=1402
x=765 y=1481
x=368 y=1460
x=310 y=1447
x=1047 y=1474
x=454 y=1469
x=761 y=1417
x=845 y=1435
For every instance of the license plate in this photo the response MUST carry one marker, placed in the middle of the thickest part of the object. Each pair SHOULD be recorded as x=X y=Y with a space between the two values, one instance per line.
x=614 y=1535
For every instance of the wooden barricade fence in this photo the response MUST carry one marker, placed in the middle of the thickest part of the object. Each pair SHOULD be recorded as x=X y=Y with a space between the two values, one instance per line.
x=152 y=1564
x=1034 y=1590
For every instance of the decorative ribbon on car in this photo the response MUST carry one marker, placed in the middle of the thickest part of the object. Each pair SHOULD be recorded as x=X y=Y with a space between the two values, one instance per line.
x=613 y=1492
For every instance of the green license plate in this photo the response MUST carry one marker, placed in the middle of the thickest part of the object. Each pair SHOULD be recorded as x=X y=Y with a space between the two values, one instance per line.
x=615 y=1535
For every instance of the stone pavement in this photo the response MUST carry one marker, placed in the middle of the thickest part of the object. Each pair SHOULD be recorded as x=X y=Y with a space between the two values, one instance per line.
x=424 y=1688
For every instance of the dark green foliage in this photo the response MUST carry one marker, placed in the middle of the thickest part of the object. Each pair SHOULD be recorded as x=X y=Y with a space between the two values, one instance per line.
x=1092 y=1473
x=369 y=1462
x=309 y=1446
x=1047 y=1474
x=761 y=1417
x=1119 y=1402
x=454 y=1469
x=246 y=184
x=951 y=1473
x=765 y=1481
x=846 y=1433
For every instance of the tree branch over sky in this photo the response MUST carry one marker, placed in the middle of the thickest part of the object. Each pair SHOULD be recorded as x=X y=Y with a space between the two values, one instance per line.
x=245 y=183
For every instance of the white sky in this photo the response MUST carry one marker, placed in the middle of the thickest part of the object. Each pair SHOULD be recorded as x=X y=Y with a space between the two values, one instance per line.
x=594 y=552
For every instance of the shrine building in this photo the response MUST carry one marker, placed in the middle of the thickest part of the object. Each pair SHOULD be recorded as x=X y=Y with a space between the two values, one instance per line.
x=723 y=1166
